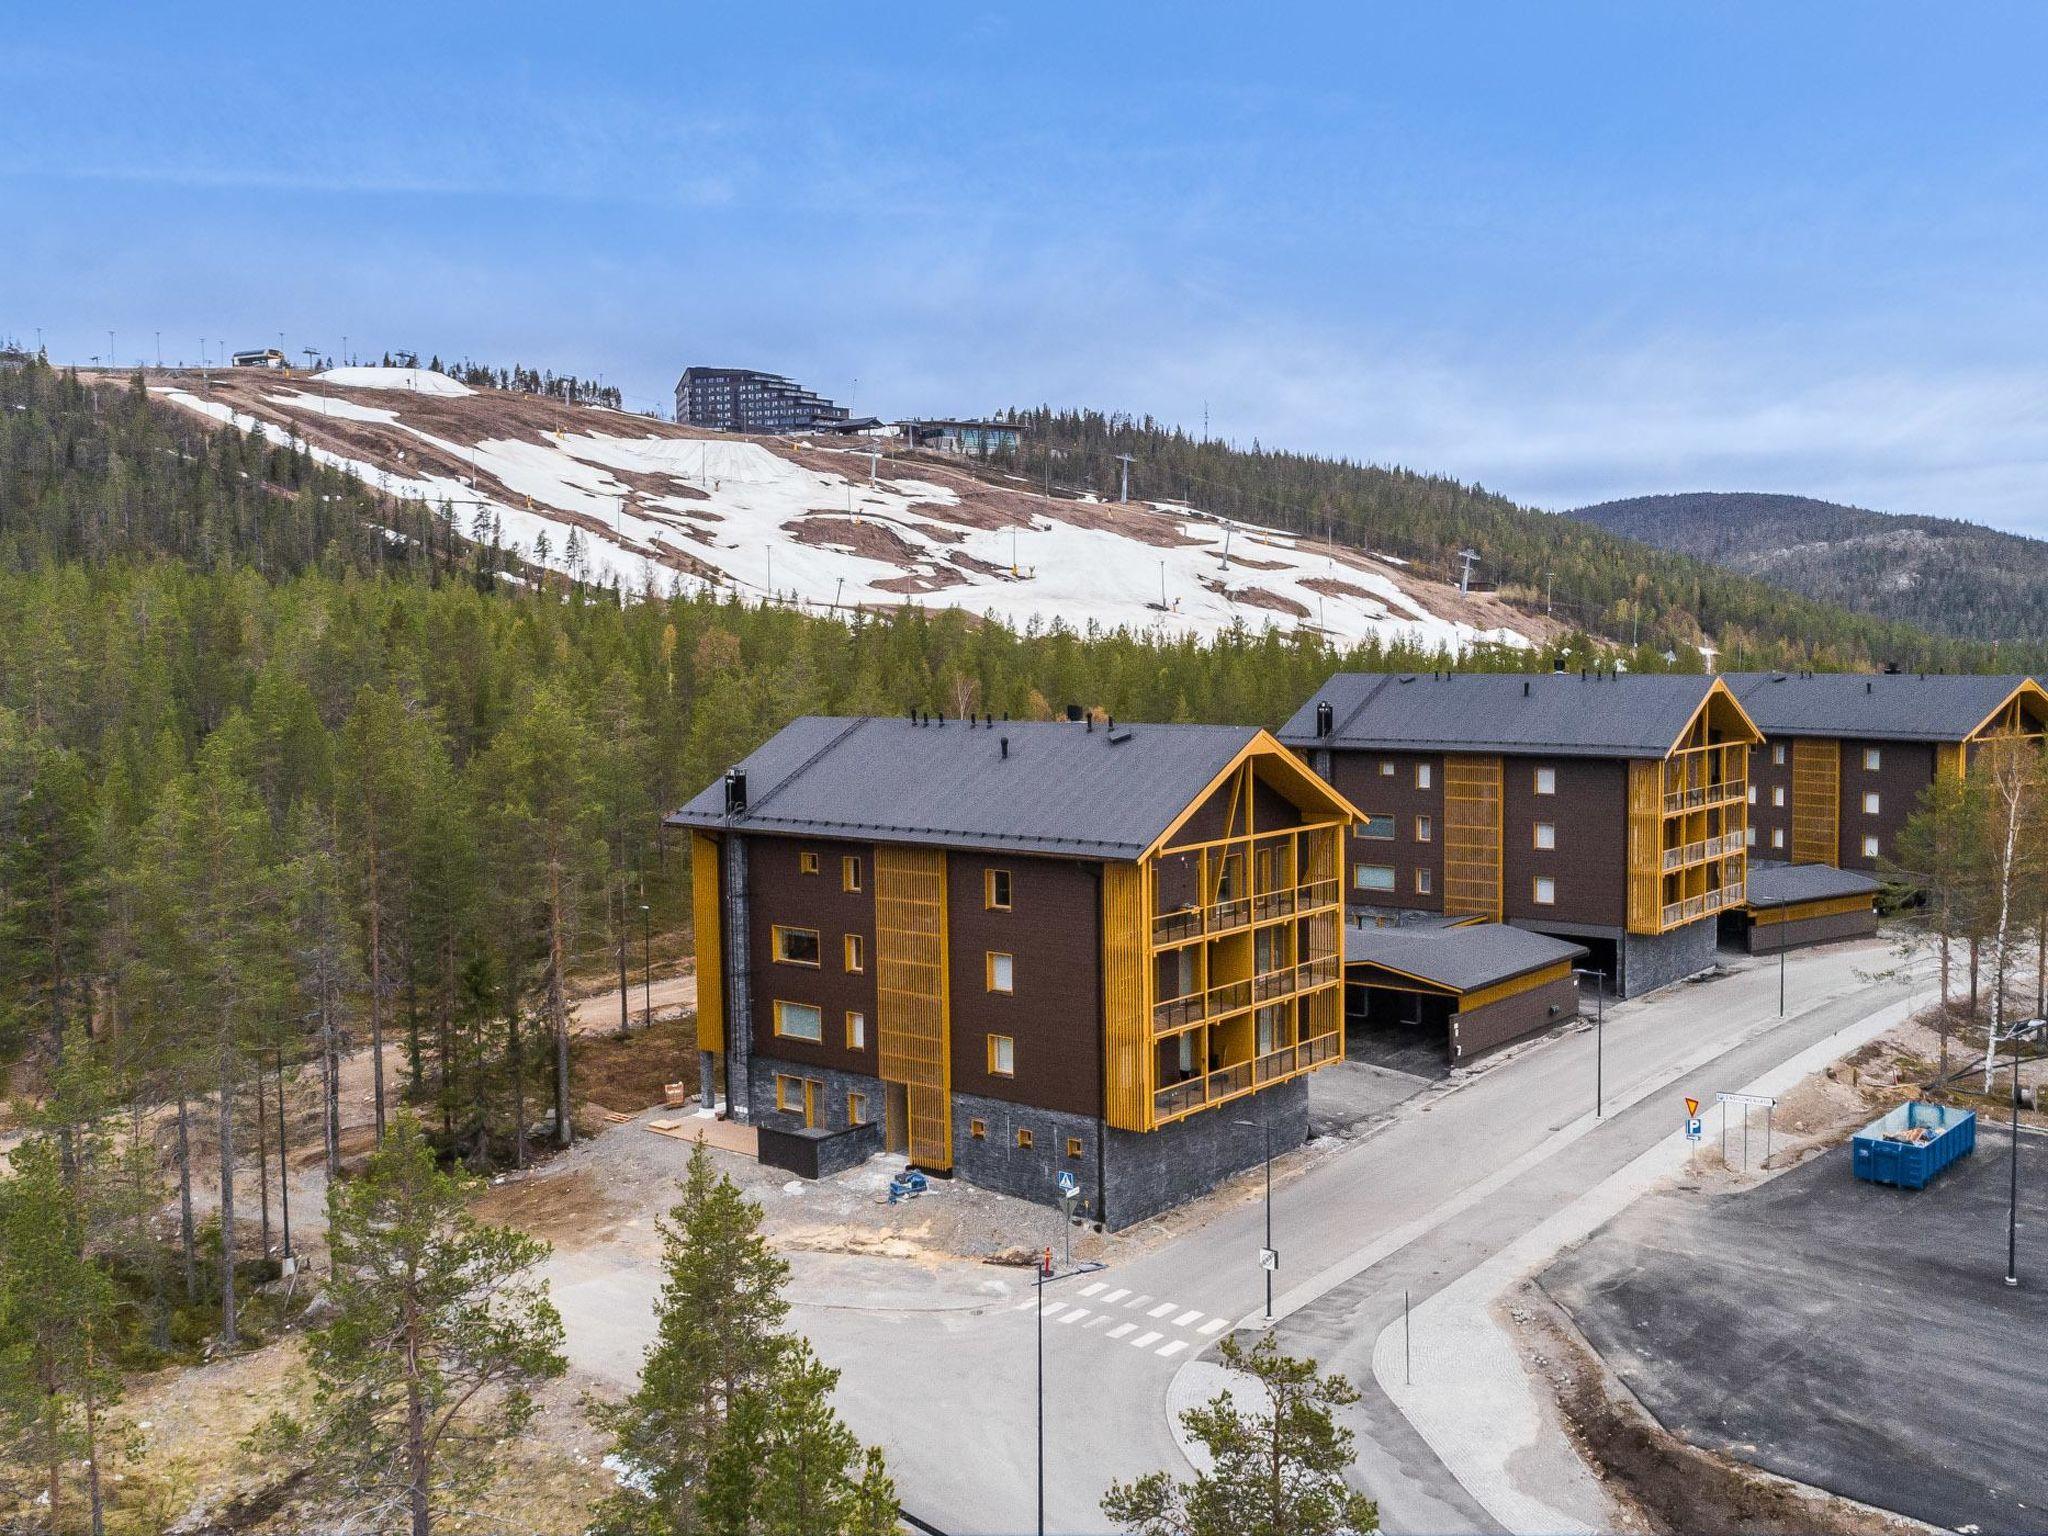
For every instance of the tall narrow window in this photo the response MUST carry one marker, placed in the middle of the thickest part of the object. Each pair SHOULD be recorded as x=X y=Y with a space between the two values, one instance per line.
x=856 y=1109
x=856 y=1030
x=1001 y=975
x=1870 y=803
x=1777 y=837
x=1422 y=882
x=1870 y=847
x=795 y=946
x=1873 y=759
x=995 y=890
x=1002 y=1056
x=1752 y=794
x=1546 y=781
x=1545 y=893
x=1778 y=796
x=1425 y=829
x=1546 y=834
x=1422 y=775
x=856 y=952
x=850 y=873
x=1023 y=1140
x=1778 y=754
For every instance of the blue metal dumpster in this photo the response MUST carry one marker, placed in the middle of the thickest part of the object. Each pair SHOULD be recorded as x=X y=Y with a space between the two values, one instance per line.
x=1893 y=1151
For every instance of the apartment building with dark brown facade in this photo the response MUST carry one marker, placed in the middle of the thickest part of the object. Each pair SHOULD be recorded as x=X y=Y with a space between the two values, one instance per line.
x=1605 y=809
x=1018 y=950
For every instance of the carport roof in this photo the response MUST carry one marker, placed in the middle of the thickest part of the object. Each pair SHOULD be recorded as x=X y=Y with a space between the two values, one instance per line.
x=1461 y=959
x=1772 y=884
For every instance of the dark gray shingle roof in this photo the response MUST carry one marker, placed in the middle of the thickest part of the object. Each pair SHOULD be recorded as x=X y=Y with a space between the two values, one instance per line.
x=1553 y=712
x=1463 y=959
x=1772 y=884
x=1900 y=706
x=1063 y=789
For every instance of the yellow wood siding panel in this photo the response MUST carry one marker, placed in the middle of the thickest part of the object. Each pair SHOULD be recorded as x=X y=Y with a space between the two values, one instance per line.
x=1126 y=1001
x=911 y=1024
x=1645 y=847
x=705 y=920
x=1472 y=836
x=1800 y=911
x=1480 y=997
x=1816 y=807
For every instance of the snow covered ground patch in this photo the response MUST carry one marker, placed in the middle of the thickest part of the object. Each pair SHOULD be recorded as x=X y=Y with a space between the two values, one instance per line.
x=420 y=381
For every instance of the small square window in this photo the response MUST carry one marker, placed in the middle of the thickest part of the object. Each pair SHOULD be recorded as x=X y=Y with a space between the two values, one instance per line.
x=995 y=890
x=795 y=946
x=1870 y=803
x=1002 y=1056
x=856 y=1030
x=1422 y=882
x=1386 y=767
x=1074 y=1146
x=1778 y=796
x=850 y=873
x=1001 y=972
x=1546 y=781
x=1777 y=837
x=1545 y=893
x=1023 y=1139
x=1546 y=834
x=1425 y=829
x=856 y=1109
x=1870 y=847
x=977 y=1130
x=799 y=1021
x=1873 y=759
x=856 y=953
x=1778 y=754
x=1422 y=775
x=807 y=862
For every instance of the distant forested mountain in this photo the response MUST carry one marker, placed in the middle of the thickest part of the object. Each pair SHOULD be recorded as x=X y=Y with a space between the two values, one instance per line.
x=1952 y=577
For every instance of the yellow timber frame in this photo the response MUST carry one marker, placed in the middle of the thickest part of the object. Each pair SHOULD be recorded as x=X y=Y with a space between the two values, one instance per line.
x=912 y=1000
x=1687 y=813
x=1816 y=800
x=1260 y=946
x=706 y=912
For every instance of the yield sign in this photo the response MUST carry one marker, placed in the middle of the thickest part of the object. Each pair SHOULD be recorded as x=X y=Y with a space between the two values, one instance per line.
x=1692 y=1108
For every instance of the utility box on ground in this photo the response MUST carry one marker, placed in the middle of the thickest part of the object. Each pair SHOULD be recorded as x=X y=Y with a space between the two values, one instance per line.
x=1913 y=1143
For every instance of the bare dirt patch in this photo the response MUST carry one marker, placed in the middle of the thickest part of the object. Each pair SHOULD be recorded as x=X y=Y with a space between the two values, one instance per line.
x=1330 y=586
x=864 y=536
x=566 y=1206
x=1258 y=597
x=628 y=1073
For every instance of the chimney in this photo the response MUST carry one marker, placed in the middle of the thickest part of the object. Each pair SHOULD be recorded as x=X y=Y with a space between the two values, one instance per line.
x=1557 y=666
x=1326 y=717
x=735 y=791
x=1073 y=711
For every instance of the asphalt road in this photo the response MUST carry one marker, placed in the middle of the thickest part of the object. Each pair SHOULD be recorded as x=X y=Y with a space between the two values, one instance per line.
x=1851 y=1336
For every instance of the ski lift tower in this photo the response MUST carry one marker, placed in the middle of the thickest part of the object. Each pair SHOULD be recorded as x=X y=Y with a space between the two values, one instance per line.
x=1471 y=558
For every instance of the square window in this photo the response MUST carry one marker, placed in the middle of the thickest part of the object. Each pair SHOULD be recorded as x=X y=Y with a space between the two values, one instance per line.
x=1545 y=893
x=850 y=873
x=799 y=1021
x=856 y=953
x=1873 y=759
x=995 y=890
x=1372 y=877
x=1870 y=803
x=1778 y=796
x=856 y=1030
x=789 y=1092
x=1777 y=837
x=1546 y=834
x=1422 y=775
x=1425 y=829
x=1870 y=847
x=1073 y=1146
x=977 y=1130
x=795 y=946
x=1546 y=781
x=1422 y=882
x=807 y=862
x=1380 y=828
x=1778 y=755
x=1023 y=1139
x=856 y=1109
x=1386 y=767
x=1002 y=1056
x=1001 y=972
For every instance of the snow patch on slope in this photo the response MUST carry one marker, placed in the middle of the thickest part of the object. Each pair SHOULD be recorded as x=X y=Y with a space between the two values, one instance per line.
x=418 y=381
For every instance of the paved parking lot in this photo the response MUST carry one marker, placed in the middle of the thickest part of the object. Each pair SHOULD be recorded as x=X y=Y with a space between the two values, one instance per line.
x=1853 y=1337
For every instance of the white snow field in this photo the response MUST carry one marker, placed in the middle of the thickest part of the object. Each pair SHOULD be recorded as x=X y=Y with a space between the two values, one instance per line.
x=740 y=515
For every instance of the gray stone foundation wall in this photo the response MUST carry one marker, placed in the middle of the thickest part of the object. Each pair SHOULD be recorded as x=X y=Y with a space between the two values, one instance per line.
x=995 y=1161
x=832 y=1114
x=1150 y=1172
x=1650 y=961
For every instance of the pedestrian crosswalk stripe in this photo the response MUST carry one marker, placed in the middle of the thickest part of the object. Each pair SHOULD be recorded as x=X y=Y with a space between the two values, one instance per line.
x=1073 y=1316
x=1145 y=1340
x=1098 y=1320
x=1187 y=1317
x=1092 y=1289
x=1121 y=1329
x=1115 y=1296
x=1137 y=1301
x=1027 y=1303
x=1161 y=1310
x=1172 y=1349
x=1215 y=1325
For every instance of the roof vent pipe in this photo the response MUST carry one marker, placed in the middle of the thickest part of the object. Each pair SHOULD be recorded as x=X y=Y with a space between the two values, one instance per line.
x=1869 y=687
x=1326 y=717
x=1525 y=687
x=1006 y=747
x=1090 y=718
x=735 y=791
x=1073 y=711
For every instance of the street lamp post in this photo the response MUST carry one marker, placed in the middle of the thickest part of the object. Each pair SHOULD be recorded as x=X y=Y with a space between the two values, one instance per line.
x=1599 y=1037
x=1267 y=1260
x=646 y=965
x=2030 y=1030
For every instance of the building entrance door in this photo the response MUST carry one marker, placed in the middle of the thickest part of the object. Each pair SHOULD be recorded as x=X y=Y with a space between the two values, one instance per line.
x=895 y=1118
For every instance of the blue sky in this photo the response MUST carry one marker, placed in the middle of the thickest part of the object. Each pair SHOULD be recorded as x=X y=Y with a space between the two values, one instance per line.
x=1569 y=251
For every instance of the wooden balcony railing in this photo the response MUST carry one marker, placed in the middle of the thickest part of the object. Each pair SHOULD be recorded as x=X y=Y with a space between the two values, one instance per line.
x=1177 y=1099
x=1708 y=902
x=1700 y=852
x=1701 y=796
x=1235 y=996
x=1223 y=917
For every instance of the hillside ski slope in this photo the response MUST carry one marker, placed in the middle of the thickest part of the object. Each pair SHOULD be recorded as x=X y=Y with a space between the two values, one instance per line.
x=827 y=524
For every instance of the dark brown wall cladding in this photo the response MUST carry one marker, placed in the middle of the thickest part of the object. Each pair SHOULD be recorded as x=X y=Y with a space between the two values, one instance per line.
x=1054 y=1014
x=1769 y=938
x=1358 y=777
x=1773 y=822
x=1904 y=769
x=783 y=894
x=1497 y=1024
x=1589 y=863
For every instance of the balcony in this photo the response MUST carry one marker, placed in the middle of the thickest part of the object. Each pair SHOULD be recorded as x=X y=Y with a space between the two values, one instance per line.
x=1701 y=852
x=1219 y=918
x=1702 y=796
x=1236 y=996
x=1705 y=904
x=1225 y=1083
